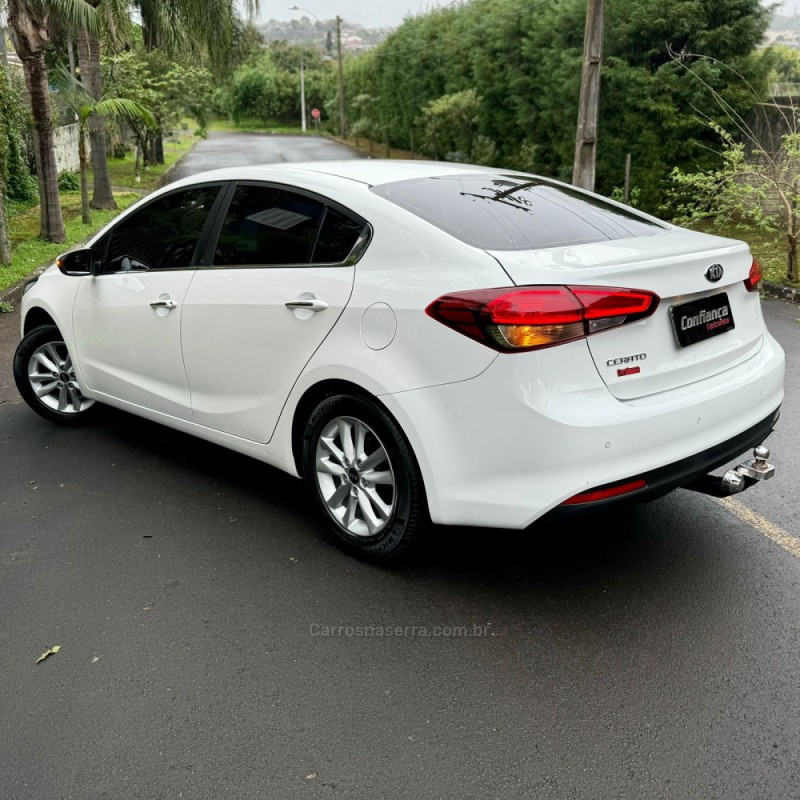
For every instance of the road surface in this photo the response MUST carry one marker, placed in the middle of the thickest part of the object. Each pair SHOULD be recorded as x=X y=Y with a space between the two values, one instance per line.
x=232 y=150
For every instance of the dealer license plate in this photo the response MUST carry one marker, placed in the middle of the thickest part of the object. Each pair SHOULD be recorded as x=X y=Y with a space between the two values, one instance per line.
x=701 y=319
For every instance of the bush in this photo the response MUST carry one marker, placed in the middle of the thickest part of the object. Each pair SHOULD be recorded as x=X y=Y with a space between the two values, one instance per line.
x=69 y=182
x=14 y=121
x=23 y=187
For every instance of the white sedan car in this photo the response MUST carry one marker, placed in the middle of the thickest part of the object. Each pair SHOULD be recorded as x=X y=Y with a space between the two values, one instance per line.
x=417 y=340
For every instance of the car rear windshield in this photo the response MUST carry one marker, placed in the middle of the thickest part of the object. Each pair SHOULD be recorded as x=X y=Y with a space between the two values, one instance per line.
x=513 y=212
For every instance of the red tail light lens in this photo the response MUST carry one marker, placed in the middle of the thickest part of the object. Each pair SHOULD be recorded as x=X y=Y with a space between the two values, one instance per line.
x=754 y=278
x=532 y=317
x=607 y=493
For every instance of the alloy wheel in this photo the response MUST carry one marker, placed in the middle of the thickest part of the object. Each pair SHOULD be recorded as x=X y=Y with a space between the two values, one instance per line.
x=52 y=377
x=355 y=477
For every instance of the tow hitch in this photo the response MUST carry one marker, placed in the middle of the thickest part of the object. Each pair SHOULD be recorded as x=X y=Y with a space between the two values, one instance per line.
x=736 y=480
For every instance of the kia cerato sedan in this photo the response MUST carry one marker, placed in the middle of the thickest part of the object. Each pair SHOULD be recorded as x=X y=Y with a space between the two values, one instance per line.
x=417 y=341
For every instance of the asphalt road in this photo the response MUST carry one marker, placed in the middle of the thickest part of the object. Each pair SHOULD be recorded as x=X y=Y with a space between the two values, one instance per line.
x=231 y=150
x=655 y=653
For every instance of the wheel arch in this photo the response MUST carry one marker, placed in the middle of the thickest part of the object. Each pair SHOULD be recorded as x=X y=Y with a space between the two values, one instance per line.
x=327 y=388
x=37 y=317
x=311 y=399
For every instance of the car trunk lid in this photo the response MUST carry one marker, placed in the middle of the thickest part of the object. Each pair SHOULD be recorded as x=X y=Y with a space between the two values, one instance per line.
x=700 y=328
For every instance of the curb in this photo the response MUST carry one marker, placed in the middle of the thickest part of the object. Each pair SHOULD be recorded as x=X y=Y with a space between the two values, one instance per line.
x=165 y=177
x=783 y=292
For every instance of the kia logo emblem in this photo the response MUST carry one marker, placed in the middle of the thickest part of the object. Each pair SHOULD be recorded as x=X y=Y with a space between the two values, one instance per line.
x=714 y=273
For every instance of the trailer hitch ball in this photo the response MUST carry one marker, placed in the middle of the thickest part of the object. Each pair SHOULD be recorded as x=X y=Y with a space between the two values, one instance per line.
x=758 y=468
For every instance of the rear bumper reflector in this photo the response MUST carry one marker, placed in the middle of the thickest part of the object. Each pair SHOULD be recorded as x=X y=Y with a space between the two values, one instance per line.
x=608 y=492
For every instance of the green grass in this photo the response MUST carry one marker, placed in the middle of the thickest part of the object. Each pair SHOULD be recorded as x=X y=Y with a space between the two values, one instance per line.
x=122 y=171
x=32 y=252
x=769 y=249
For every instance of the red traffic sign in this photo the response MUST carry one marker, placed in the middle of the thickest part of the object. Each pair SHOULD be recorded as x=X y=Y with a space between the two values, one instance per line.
x=315 y=113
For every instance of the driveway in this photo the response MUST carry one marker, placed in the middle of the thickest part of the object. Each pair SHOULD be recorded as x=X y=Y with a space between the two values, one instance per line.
x=235 y=149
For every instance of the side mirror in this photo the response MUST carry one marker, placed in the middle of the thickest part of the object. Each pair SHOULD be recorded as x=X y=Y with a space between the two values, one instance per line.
x=76 y=262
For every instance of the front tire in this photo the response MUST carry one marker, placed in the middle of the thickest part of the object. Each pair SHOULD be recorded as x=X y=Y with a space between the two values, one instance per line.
x=363 y=474
x=45 y=377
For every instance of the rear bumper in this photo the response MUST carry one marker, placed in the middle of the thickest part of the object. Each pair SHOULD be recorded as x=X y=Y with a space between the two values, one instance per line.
x=663 y=480
x=534 y=429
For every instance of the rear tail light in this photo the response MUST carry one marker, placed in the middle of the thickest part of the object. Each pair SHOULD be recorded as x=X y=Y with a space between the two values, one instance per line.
x=754 y=278
x=532 y=317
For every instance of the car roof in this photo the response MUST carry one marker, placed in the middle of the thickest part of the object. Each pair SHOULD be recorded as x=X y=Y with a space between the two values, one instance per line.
x=368 y=171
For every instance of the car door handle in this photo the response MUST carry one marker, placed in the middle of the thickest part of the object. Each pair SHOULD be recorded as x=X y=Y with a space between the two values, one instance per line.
x=311 y=305
x=164 y=304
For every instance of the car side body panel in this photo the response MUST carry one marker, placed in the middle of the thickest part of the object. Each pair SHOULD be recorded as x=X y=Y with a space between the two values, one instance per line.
x=500 y=438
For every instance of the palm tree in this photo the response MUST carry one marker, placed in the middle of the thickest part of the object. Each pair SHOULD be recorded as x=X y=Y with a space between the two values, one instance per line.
x=175 y=26
x=182 y=26
x=78 y=98
x=29 y=24
x=112 y=13
x=5 y=245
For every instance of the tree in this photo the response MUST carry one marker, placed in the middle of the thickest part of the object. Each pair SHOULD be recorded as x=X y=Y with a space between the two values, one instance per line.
x=89 y=47
x=172 y=26
x=650 y=101
x=167 y=89
x=760 y=188
x=181 y=27
x=247 y=43
x=782 y=64
x=758 y=179
x=523 y=61
x=16 y=182
x=29 y=24
x=450 y=124
x=78 y=99
x=5 y=244
x=126 y=75
x=266 y=86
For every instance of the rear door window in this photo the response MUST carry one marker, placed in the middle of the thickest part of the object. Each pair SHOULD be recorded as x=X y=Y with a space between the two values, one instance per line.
x=266 y=225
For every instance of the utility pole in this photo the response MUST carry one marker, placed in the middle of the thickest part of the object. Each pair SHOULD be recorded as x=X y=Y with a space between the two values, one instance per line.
x=303 y=95
x=583 y=168
x=342 y=121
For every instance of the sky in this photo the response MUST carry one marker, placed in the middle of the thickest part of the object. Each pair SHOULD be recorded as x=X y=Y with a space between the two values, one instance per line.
x=369 y=13
x=790 y=7
x=390 y=13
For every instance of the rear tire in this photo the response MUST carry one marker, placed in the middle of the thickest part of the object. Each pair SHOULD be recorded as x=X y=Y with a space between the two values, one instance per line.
x=360 y=468
x=45 y=376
